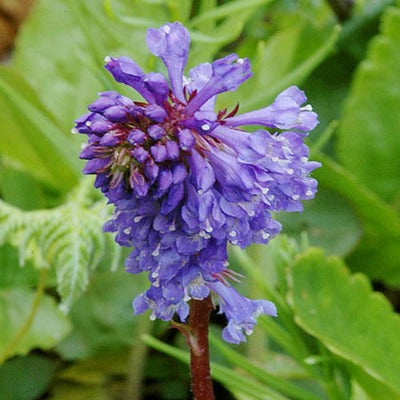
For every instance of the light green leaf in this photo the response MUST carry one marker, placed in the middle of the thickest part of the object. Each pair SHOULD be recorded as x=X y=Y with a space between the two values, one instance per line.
x=30 y=136
x=81 y=35
x=343 y=312
x=372 y=388
x=226 y=10
x=49 y=326
x=368 y=139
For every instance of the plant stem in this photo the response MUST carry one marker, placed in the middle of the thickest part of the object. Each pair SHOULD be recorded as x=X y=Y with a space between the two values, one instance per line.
x=137 y=360
x=9 y=350
x=196 y=335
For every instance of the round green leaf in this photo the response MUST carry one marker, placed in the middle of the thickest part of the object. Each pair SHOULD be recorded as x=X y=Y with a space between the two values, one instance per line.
x=49 y=326
x=343 y=312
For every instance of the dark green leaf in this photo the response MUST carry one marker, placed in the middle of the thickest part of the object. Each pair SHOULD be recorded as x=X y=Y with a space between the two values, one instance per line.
x=329 y=220
x=25 y=378
x=379 y=251
x=368 y=141
x=103 y=317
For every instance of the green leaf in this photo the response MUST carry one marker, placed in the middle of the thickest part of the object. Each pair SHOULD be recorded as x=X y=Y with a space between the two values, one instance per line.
x=49 y=326
x=68 y=238
x=283 y=60
x=25 y=378
x=372 y=388
x=227 y=377
x=379 y=251
x=368 y=140
x=283 y=385
x=30 y=136
x=343 y=312
x=102 y=317
x=225 y=10
x=70 y=73
x=329 y=221
x=12 y=275
x=15 y=184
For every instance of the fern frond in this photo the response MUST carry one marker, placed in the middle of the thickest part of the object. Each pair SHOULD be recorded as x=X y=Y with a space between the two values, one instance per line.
x=68 y=238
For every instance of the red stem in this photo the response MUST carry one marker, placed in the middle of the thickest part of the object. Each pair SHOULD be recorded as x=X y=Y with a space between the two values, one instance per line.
x=196 y=335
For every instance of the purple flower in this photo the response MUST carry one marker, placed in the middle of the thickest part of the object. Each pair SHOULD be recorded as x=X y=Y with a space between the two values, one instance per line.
x=186 y=181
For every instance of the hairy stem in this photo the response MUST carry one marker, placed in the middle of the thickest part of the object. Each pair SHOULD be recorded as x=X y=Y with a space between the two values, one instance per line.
x=196 y=335
x=8 y=351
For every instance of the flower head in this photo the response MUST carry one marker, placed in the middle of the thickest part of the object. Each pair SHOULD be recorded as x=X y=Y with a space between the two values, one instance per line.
x=186 y=181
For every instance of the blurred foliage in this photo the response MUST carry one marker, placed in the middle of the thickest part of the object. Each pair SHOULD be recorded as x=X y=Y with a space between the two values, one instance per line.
x=335 y=337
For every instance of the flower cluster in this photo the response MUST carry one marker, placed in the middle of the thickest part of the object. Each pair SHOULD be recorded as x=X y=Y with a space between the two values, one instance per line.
x=186 y=181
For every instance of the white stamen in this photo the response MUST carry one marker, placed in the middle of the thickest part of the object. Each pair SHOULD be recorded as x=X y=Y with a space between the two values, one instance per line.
x=249 y=331
x=235 y=241
x=88 y=124
x=251 y=213
x=152 y=316
x=303 y=159
x=83 y=146
x=232 y=233
x=74 y=131
x=295 y=197
x=307 y=107
x=240 y=61
x=274 y=159
x=172 y=228
x=225 y=263
x=107 y=59
x=265 y=235
x=204 y=235
x=138 y=218
x=127 y=230
x=156 y=252
x=309 y=193
x=166 y=29
x=208 y=227
x=205 y=127
x=154 y=274
x=156 y=283
x=200 y=191
x=290 y=171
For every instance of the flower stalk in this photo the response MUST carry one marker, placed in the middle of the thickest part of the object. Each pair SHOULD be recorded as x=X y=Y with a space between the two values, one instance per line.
x=196 y=335
x=199 y=350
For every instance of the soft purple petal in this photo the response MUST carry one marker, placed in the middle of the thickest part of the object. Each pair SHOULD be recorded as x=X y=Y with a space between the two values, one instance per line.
x=227 y=74
x=171 y=43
